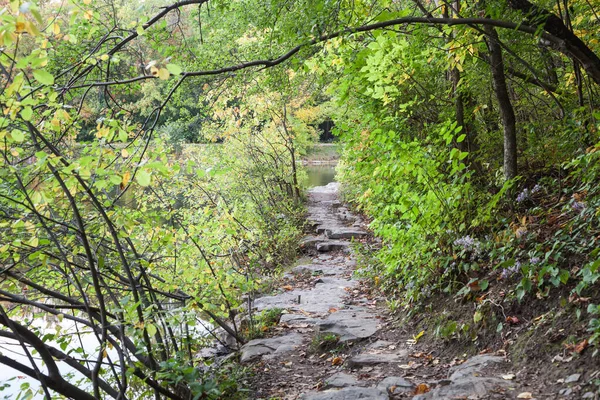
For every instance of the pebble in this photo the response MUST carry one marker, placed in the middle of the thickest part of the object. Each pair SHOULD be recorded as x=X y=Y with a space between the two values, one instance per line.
x=572 y=378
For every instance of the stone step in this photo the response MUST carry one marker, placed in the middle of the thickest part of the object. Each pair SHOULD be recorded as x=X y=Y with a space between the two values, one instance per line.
x=349 y=393
x=332 y=245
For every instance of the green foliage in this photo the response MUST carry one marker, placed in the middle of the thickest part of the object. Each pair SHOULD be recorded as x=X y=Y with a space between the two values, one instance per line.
x=324 y=342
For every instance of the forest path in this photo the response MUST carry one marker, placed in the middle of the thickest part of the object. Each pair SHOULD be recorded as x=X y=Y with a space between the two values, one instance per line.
x=335 y=341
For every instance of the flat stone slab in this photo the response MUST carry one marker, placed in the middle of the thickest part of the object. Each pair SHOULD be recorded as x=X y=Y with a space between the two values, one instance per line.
x=367 y=360
x=379 y=344
x=466 y=381
x=296 y=319
x=350 y=324
x=340 y=380
x=466 y=388
x=350 y=393
x=312 y=241
x=345 y=233
x=258 y=348
x=395 y=384
x=332 y=245
x=473 y=366
x=319 y=269
x=320 y=299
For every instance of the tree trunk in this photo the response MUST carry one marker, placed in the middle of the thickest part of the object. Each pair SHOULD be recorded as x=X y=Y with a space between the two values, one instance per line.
x=571 y=44
x=507 y=113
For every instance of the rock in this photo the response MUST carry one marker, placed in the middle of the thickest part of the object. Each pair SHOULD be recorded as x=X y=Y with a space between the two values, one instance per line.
x=311 y=269
x=311 y=241
x=379 y=344
x=318 y=269
x=572 y=378
x=350 y=393
x=257 y=348
x=320 y=299
x=473 y=365
x=345 y=233
x=296 y=319
x=565 y=392
x=367 y=360
x=340 y=380
x=588 y=395
x=395 y=384
x=332 y=245
x=465 y=381
x=467 y=388
x=350 y=324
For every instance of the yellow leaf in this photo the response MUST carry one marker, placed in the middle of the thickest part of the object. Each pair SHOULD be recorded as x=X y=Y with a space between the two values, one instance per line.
x=20 y=27
x=126 y=178
x=154 y=71
x=124 y=153
x=88 y=14
x=164 y=74
x=104 y=57
x=34 y=241
x=87 y=2
x=418 y=336
x=55 y=28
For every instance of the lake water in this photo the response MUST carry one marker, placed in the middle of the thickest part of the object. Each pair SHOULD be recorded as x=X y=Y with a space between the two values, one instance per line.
x=320 y=175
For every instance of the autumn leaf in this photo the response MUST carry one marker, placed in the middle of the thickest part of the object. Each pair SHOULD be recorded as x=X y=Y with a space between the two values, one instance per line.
x=163 y=74
x=337 y=361
x=581 y=346
x=421 y=388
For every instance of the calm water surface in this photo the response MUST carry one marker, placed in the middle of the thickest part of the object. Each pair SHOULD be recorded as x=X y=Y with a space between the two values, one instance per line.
x=320 y=175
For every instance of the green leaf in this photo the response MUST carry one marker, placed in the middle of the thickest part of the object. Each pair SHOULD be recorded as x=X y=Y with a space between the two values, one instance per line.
x=43 y=77
x=484 y=284
x=27 y=113
x=115 y=179
x=17 y=136
x=174 y=69
x=143 y=178
x=151 y=329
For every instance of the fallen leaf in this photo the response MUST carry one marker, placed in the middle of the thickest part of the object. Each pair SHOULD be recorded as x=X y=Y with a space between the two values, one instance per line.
x=525 y=395
x=513 y=320
x=421 y=388
x=333 y=309
x=508 y=377
x=581 y=346
x=337 y=361
x=288 y=287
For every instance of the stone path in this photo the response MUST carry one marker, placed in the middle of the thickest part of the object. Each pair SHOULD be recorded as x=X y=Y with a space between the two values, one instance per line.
x=288 y=365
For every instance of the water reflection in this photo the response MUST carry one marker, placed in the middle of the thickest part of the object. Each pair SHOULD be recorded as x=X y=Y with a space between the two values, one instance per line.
x=320 y=175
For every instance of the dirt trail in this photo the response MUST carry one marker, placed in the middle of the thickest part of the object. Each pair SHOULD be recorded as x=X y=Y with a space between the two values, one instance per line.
x=334 y=341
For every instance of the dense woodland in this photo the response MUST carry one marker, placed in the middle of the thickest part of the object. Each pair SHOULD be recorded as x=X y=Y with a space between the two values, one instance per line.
x=151 y=182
